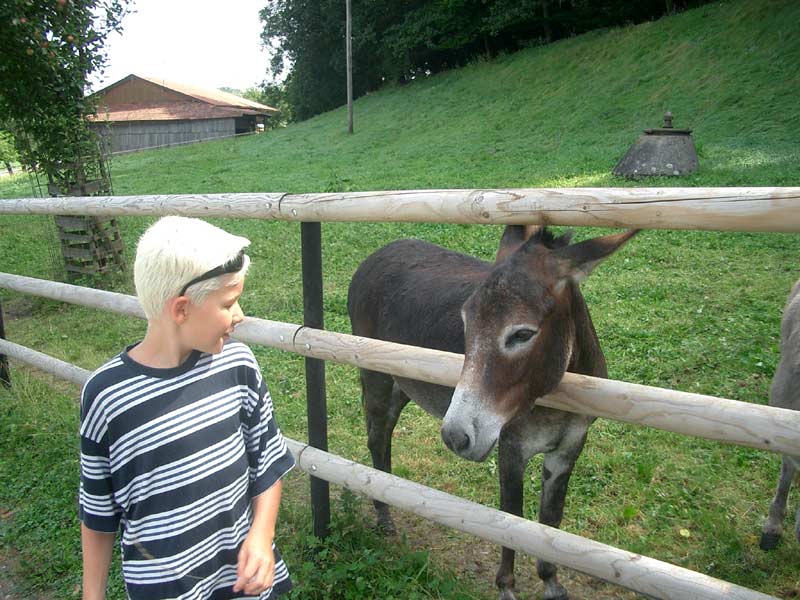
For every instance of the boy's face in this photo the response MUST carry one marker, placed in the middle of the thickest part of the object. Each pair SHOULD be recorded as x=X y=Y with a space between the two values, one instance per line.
x=210 y=323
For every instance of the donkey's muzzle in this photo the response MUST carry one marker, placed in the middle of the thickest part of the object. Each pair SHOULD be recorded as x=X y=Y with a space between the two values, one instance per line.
x=470 y=428
x=455 y=439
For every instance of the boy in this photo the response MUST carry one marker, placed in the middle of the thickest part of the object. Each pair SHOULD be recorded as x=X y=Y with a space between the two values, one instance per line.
x=178 y=439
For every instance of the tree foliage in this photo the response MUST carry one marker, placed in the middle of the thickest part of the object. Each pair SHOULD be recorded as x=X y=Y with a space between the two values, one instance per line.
x=8 y=153
x=48 y=50
x=274 y=95
x=399 y=40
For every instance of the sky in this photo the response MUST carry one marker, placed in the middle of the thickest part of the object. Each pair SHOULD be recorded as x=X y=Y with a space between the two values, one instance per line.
x=206 y=43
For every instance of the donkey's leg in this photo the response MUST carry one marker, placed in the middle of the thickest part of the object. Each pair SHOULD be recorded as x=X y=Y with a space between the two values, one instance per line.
x=797 y=523
x=383 y=403
x=556 y=472
x=553 y=433
x=511 y=468
x=773 y=527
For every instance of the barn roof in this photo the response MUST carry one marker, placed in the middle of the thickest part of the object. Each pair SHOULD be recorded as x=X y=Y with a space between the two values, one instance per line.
x=195 y=103
x=215 y=97
x=172 y=112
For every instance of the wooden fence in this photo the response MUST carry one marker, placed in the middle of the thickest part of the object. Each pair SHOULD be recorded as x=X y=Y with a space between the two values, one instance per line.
x=717 y=209
x=729 y=209
x=730 y=421
x=645 y=575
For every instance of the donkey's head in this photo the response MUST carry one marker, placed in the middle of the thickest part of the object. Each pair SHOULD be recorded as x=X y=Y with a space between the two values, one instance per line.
x=519 y=332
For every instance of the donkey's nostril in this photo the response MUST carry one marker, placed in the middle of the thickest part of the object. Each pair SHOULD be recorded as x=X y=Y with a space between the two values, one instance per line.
x=455 y=440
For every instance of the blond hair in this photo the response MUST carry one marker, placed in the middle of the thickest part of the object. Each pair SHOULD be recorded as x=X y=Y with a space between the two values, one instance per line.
x=175 y=250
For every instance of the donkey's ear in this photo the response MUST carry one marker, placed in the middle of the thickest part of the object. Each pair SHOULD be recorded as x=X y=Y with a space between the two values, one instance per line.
x=513 y=238
x=576 y=262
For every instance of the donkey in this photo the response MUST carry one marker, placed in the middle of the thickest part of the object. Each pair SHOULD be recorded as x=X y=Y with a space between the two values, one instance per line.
x=785 y=393
x=521 y=323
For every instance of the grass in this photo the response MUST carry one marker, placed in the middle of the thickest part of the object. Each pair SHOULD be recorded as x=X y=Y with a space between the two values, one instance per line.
x=694 y=311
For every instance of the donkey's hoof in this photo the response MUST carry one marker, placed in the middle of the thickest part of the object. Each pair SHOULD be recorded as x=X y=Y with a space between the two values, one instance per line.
x=386 y=528
x=507 y=594
x=384 y=522
x=769 y=541
x=555 y=592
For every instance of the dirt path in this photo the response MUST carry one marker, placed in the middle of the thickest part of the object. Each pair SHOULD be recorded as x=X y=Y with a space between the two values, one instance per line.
x=8 y=589
x=477 y=560
x=471 y=559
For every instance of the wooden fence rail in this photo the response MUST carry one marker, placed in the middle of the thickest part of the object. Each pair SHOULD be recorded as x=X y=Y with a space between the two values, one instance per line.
x=774 y=209
x=639 y=573
x=730 y=421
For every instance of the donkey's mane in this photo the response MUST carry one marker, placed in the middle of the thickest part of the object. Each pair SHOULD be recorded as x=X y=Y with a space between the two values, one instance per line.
x=549 y=240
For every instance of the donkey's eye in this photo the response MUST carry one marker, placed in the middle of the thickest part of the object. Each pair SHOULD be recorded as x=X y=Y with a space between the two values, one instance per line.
x=519 y=337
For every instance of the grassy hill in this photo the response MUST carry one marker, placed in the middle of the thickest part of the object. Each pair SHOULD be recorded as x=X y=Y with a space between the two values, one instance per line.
x=556 y=115
x=697 y=311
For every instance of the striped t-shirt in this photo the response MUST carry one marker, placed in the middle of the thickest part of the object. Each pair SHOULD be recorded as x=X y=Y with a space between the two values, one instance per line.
x=175 y=456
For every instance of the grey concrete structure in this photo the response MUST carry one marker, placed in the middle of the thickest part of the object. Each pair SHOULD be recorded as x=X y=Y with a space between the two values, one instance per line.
x=664 y=151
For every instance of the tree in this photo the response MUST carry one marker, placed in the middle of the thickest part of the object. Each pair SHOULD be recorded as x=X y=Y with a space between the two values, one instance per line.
x=230 y=90
x=48 y=51
x=8 y=152
x=274 y=95
x=398 y=40
x=304 y=33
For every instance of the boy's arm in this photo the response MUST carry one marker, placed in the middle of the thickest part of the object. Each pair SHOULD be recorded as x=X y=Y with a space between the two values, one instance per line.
x=256 y=564
x=98 y=547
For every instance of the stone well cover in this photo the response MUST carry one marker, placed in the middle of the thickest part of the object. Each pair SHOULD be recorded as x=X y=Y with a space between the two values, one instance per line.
x=663 y=151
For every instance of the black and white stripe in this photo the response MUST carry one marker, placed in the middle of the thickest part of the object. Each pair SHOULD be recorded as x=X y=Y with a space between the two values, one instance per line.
x=176 y=456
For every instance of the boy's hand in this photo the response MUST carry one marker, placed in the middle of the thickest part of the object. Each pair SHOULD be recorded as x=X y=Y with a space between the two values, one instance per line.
x=256 y=565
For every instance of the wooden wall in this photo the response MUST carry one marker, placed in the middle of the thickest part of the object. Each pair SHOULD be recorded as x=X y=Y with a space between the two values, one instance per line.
x=137 y=135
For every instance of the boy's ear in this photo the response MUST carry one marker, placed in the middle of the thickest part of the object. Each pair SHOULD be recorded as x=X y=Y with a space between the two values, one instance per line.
x=178 y=309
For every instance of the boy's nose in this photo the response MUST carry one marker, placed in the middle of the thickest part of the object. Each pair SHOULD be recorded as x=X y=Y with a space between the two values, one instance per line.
x=238 y=314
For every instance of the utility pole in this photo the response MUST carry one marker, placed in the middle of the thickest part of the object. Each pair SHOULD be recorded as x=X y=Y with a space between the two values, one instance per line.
x=349 y=44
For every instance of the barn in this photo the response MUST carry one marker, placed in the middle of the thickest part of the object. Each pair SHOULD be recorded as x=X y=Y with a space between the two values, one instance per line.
x=145 y=112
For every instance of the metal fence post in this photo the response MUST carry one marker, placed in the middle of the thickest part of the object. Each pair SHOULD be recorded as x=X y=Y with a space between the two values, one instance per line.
x=311 y=242
x=5 y=375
